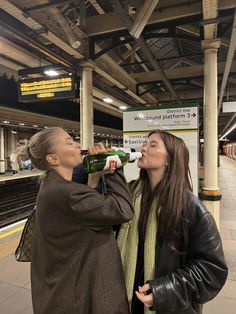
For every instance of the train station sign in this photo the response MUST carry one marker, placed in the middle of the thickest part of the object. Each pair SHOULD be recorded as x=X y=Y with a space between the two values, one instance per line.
x=229 y=106
x=161 y=117
x=39 y=89
x=179 y=119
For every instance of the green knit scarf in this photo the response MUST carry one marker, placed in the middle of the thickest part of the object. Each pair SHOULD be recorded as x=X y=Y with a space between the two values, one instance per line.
x=128 y=244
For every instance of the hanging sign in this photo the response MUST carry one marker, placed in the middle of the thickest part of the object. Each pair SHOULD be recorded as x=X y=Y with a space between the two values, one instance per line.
x=39 y=89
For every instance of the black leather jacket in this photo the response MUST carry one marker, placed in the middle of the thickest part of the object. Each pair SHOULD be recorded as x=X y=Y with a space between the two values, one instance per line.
x=184 y=282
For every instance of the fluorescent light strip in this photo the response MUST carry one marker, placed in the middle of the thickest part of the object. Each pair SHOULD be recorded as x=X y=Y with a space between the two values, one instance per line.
x=229 y=131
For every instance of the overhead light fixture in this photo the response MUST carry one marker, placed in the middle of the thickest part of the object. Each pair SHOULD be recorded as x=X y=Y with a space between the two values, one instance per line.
x=51 y=73
x=108 y=100
x=229 y=131
x=13 y=132
x=35 y=125
x=6 y=122
x=123 y=107
x=21 y=124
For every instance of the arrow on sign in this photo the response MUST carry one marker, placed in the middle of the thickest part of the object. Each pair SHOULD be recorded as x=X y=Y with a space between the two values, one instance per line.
x=193 y=114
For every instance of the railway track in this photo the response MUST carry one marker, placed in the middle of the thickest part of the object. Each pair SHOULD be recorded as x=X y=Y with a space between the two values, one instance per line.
x=17 y=199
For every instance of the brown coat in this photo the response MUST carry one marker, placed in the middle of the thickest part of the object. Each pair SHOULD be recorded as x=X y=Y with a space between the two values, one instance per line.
x=76 y=266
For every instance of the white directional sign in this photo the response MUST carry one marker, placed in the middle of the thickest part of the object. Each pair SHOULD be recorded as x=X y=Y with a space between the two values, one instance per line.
x=229 y=106
x=180 y=120
x=161 y=118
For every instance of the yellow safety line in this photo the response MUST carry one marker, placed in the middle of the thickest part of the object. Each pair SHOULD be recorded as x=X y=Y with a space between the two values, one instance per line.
x=11 y=232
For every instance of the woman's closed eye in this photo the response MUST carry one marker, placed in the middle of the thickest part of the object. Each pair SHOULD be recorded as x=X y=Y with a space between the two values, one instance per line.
x=151 y=143
x=70 y=142
x=154 y=144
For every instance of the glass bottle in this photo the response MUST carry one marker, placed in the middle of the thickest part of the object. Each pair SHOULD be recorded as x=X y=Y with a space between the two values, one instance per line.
x=104 y=161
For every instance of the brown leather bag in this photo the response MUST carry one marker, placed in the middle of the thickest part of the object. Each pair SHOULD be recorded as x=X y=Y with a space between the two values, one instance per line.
x=23 y=252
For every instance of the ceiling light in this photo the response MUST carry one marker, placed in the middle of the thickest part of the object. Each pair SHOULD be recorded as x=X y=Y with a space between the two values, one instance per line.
x=21 y=124
x=51 y=72
x=108 y=100
x=13 y=132
x=123 y=107
x=5 y=121
x=35 y=125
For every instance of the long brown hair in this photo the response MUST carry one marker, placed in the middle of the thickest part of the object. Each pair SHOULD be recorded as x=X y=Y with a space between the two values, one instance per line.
x=172 y=192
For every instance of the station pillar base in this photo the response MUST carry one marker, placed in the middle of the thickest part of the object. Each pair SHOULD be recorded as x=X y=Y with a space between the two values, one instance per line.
x=211 y=199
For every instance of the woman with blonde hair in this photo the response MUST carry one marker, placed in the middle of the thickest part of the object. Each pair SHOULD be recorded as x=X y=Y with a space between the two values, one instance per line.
x=76 y=265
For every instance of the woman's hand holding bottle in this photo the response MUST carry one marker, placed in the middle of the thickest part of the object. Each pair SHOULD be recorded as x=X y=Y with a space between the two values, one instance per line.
x=94 y=178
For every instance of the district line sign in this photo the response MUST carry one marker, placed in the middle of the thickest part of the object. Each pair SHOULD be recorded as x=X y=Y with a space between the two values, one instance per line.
x=179 y=119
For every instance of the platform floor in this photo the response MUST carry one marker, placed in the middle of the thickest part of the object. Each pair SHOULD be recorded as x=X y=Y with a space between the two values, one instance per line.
x=15 y=297
x=23 y=174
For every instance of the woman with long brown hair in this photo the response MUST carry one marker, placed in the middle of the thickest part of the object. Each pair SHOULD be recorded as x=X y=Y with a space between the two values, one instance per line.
x=171 y=251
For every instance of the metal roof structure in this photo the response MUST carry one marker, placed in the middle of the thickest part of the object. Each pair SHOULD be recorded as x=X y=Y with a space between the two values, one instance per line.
x=143 y=52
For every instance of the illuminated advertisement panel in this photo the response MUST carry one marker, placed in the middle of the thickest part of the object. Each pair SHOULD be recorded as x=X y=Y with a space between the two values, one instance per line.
x=39 y=89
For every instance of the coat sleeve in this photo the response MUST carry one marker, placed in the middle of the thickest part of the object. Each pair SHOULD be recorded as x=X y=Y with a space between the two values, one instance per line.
x=99 y=211
x=203 y=275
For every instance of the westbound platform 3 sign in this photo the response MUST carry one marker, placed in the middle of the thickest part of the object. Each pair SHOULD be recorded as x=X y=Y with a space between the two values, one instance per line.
x=39 y=89
x=180 y=120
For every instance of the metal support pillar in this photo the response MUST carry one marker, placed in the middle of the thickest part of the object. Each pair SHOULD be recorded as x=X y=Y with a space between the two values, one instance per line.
x=2 y=159
x=210 y=192
x=13 y=145
x=86 y=107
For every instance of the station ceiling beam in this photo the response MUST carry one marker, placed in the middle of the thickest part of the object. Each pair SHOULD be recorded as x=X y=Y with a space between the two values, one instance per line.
x=51 y=4
x=178 y=73
x=105 y=66
x=190 y=94
x=229 y=60
x=110 y=22
x=142 y=17
x=118 y=8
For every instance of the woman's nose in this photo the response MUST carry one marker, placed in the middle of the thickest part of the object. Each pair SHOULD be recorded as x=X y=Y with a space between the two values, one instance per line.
x=144 y=147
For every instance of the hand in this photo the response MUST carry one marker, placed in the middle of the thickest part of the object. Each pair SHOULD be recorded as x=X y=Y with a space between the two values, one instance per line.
x=96 y=149
x=147 y=299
